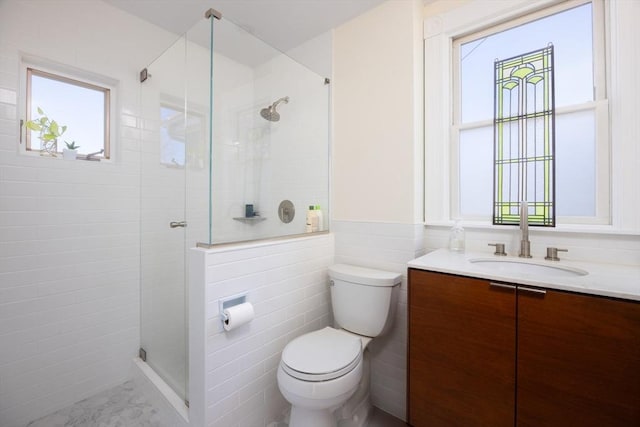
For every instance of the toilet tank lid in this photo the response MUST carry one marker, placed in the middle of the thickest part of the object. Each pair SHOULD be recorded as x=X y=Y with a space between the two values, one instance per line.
x=364 y=276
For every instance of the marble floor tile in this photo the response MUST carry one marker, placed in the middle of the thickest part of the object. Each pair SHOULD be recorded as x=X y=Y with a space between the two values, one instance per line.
x=126 y=406
x=121 y=406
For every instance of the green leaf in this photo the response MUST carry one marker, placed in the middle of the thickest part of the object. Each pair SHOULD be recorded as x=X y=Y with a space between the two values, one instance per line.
x=64 y=129
x=43 y=120
x=71 y=145
x=33 y=125
x=40 y=111
x=54 y=128
x=48 y=136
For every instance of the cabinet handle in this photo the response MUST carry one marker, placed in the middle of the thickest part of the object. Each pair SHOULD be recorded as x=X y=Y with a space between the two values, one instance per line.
x=538 y=292
x=501 y=285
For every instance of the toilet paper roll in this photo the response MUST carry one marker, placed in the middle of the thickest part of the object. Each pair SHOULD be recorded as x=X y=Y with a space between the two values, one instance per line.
x=237 y=316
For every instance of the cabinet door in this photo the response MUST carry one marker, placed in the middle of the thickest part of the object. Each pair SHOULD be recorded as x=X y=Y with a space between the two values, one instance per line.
x=461 y=358
x=578 y=361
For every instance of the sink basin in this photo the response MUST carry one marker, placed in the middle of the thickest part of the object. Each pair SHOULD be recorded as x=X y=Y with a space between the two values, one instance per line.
x=513 y=266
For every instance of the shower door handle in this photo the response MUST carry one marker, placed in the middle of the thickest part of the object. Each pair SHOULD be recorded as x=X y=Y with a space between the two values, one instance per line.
x=176 y=224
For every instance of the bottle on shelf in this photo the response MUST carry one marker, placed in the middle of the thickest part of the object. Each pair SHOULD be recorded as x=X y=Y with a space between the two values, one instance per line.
x=318 y=212
x=311 y=218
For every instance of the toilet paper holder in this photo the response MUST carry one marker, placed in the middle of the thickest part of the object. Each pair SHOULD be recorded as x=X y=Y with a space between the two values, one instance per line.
x=228 y=302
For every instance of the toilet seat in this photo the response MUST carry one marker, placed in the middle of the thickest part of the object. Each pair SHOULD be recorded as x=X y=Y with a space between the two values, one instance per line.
x=322 y=355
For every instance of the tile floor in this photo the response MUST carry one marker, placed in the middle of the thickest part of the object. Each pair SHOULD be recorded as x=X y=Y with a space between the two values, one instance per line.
x=380 y=418
x=121 y=406
x=126 y=406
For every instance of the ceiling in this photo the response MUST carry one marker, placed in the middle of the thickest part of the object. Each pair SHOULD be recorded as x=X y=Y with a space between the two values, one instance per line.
x=283 y=24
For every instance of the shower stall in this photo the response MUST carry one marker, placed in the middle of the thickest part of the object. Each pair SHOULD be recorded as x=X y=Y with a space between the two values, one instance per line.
x=234 y=147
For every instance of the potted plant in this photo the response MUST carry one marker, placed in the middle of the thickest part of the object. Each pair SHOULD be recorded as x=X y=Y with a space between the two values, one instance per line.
x=49 y=132
x=71 y=152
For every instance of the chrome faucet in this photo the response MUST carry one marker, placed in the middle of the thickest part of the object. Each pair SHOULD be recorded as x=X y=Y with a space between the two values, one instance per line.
x=91 y=157
x=525 y=244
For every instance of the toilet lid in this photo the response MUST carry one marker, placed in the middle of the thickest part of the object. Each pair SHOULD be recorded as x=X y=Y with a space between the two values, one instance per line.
x=322 y=355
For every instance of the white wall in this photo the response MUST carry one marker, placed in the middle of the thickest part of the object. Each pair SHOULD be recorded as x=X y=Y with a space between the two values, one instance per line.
x=377 y=108
x=377 y=165
x=233 y=374
x=69 y=231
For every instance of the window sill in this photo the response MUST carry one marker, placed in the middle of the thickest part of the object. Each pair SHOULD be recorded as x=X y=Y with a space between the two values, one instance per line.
x=81 y=157
x=563 y=228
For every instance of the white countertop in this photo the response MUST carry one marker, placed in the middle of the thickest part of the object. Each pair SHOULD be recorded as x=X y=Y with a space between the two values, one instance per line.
x=612 y=280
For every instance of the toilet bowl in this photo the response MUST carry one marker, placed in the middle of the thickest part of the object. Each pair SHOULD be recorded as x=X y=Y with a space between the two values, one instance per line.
x=320 y=371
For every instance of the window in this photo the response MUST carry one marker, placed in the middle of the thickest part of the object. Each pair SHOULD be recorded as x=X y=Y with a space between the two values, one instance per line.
x=176 y=130
x=576 y=30
x=78 y=112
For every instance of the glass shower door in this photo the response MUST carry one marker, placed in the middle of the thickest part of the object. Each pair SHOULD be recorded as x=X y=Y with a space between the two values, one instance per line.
x=174 y=199
x=163 y=218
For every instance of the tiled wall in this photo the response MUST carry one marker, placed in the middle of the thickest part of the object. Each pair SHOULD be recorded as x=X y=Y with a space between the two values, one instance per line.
x=582 y=246
x=235 y=371
x=261 y=162
x=386 y=247
x=69 y=231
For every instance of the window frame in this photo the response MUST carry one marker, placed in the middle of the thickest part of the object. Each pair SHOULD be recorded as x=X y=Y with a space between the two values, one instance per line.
x=31 y=66
x=443 y=36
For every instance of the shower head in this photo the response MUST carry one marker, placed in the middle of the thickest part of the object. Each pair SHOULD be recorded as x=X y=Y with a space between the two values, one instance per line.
x=270 y=112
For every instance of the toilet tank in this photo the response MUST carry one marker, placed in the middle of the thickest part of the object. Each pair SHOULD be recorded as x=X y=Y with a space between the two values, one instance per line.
x=363 y=299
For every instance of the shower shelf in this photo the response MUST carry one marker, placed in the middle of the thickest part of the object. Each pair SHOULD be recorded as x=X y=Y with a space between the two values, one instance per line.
x=250 y=220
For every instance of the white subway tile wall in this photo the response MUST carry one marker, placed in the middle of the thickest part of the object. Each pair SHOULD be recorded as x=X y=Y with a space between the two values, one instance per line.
x=583 y=246
x=69 y=231
x=388 y=247
x=287 y=284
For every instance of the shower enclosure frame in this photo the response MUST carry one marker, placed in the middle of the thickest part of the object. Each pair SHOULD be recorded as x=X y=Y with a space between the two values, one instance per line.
x=306 y=120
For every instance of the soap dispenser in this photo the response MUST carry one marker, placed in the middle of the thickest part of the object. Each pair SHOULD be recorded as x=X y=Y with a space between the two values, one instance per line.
x=456 y=237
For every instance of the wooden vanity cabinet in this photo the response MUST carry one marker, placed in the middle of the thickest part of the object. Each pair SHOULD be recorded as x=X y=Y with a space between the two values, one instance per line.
x=578 y=361
x=492 y=354
x=462 y=343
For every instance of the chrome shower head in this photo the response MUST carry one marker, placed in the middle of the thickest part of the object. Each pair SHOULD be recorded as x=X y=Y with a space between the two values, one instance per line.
x=270 y=112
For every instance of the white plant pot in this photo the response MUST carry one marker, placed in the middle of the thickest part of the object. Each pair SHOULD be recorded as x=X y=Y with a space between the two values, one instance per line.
x=69 y=154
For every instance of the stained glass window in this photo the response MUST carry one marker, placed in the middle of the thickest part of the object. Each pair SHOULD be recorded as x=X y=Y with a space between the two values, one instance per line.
x=524 y=121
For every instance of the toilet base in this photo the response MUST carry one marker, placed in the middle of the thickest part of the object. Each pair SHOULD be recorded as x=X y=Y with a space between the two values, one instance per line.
x=311 y=418
x=355 y=412
x=358 y=417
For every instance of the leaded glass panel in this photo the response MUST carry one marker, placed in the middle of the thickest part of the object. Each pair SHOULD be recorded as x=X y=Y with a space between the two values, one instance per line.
x=524 y=119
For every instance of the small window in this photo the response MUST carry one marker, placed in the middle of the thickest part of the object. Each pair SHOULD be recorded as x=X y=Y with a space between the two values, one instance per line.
x=73 y=111
x=178 y=129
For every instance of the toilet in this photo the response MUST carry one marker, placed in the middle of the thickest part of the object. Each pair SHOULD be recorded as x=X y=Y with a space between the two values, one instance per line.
x=325 y=374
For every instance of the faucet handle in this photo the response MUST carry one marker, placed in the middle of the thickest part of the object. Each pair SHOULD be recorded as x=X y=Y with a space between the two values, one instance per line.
x=499 y=249
x=552 y=254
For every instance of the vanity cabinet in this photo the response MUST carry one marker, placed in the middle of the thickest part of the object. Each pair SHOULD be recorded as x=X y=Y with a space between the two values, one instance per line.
x=578 y=360
x=495 y=354
x=462 y=342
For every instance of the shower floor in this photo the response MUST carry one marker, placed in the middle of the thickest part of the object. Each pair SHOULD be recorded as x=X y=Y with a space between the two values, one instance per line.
x=121 y=406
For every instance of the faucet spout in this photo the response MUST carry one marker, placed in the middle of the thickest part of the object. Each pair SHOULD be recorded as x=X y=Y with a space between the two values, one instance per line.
x=525 y=244
x=91 y=156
